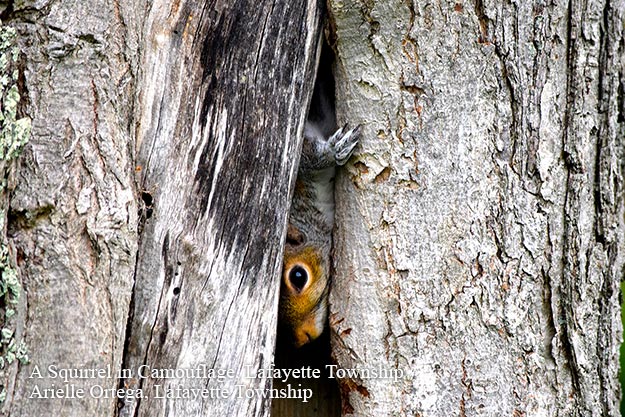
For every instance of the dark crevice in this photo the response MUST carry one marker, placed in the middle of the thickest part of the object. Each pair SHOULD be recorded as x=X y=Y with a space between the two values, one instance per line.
x=148 y=200
x=6 y=12
x=551 y=327
x=89 y=38
x=129 y=407
x=27 y=219
x=316 y=354
x=146 y=210
x=570 y=246
x=603 y=134
x=568 y=112
x=620 y=96
x=483 y=21
x=599 y=215
x=604 y=333
x=601 y=185
x=121 y=411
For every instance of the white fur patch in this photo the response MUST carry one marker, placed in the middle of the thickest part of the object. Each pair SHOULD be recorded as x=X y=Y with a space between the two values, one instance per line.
x=323 y=186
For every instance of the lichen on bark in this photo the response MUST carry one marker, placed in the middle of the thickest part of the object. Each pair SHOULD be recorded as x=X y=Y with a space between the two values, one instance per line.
x=14 y=134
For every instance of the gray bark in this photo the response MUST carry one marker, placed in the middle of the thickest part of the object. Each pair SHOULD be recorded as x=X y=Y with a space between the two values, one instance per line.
x=479 y=242
x=479 y=228
x=73 y=214
x=223 y=111
x=150 y=207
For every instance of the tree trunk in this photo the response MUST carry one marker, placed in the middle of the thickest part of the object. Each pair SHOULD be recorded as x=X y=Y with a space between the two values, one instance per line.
x=479 y=240
x=479 y=243
x=73 y=214
x=149 y=213
x=222 y=117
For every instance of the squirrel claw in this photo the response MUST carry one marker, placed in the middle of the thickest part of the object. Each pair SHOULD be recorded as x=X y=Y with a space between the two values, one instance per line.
x=343 y=143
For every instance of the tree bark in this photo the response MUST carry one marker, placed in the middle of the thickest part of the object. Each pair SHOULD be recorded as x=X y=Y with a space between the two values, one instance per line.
x=480 y=226
x=222 y=117
x=479 y=238
x=150 y=208
x=73 y=214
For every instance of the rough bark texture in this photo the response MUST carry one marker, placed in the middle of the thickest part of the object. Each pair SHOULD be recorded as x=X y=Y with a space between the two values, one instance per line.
x=480 y=227
x=73 y=214
x=151 y=201
x=223 y=111
x=14 y=134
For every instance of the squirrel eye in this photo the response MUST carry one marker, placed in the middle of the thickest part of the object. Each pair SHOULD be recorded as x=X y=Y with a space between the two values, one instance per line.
x=298 y=277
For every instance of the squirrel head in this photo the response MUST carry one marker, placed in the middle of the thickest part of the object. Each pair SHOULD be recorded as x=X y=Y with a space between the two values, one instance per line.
x=303 y=294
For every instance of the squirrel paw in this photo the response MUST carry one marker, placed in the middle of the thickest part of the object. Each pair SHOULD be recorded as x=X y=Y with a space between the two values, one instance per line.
x=343 y=143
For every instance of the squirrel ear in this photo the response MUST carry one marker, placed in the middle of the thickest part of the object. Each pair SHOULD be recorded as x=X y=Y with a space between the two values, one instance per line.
x=294 y=236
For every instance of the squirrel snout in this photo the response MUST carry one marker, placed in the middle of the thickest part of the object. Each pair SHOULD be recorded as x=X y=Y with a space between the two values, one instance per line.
x=308 y=330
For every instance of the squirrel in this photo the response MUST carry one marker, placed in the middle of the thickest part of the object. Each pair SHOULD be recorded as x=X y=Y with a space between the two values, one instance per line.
x=305 y=282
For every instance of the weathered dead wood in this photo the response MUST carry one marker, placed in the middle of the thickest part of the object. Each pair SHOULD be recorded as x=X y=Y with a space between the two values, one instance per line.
x=226 y=86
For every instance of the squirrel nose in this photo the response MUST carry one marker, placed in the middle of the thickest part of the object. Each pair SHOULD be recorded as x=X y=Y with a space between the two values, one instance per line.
x=307 y=331
x=302 y=339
